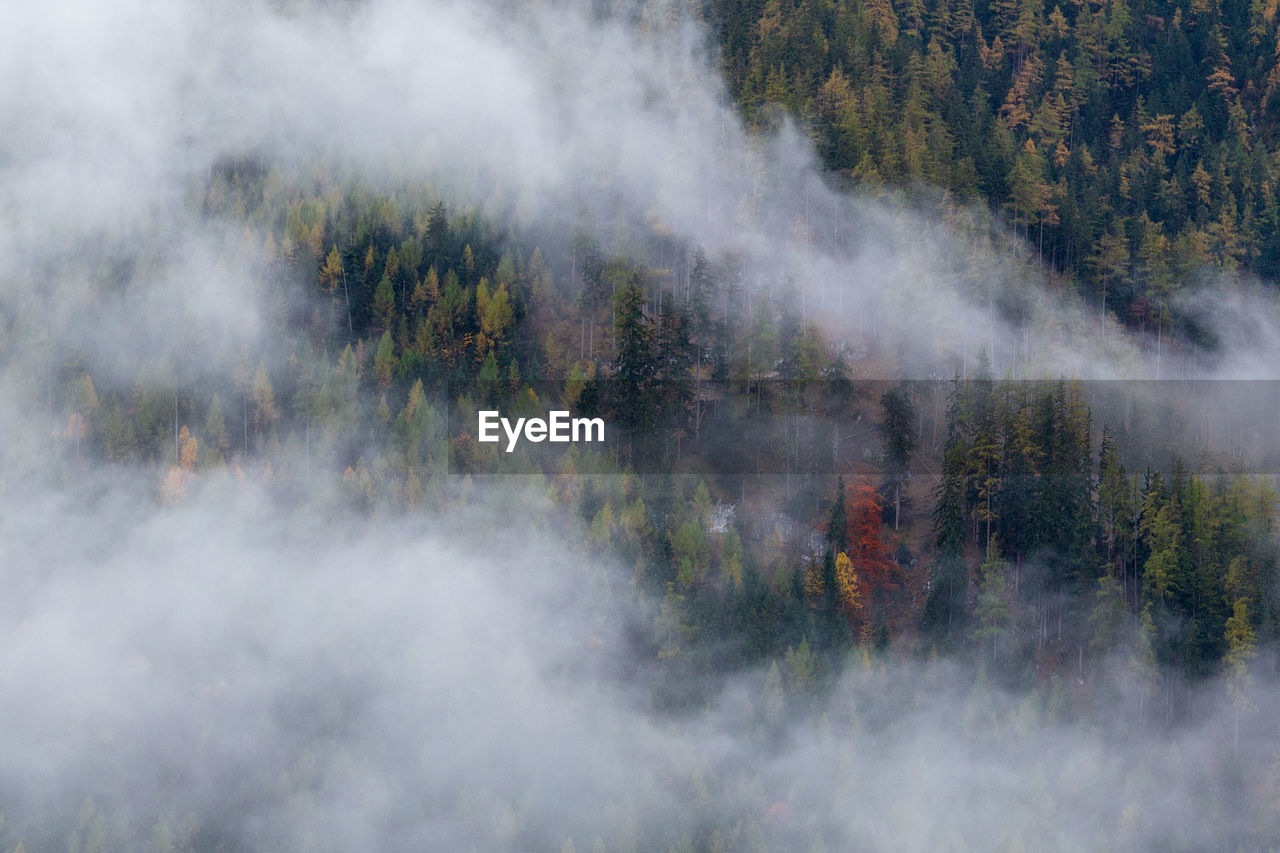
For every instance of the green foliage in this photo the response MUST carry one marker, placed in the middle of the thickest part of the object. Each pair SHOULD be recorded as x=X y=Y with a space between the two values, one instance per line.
x=993 y=611
x=690 y=551
x=440 y=301
x=1108 y=617
x=900 y=442
x=384 y=360
x=1131 y=148
x=634 y=364
x=1241 y=650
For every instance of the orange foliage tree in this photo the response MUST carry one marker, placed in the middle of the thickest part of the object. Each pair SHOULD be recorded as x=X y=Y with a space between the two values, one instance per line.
x=876 y=570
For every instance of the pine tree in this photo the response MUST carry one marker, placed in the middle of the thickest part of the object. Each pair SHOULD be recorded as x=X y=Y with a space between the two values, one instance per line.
x=384 y=304
x=635 y=364
x=215 y=429
x=1240 y=652
x=384 y=360
x=900 y=443
x=265 y=411
x=993 y=611
x=837 y=539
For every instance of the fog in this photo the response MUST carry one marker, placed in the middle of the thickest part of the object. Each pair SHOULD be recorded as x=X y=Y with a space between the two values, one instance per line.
x=248 y=669
x=246 y=676
x=541 y=113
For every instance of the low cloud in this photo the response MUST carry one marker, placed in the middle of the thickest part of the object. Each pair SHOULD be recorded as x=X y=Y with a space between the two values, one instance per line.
x=247 y=670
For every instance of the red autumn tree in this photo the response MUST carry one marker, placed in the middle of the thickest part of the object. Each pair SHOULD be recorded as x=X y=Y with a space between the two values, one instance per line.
x=868 y=552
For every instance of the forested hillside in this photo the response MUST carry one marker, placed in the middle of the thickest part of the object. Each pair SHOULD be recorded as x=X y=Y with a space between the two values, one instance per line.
x=1132 y=144
x=994 y=518
x=991 y=522
x=868 y=558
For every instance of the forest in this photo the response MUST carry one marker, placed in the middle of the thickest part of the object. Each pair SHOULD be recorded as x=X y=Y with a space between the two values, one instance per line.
x=825 y=554
x=1131 y=145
